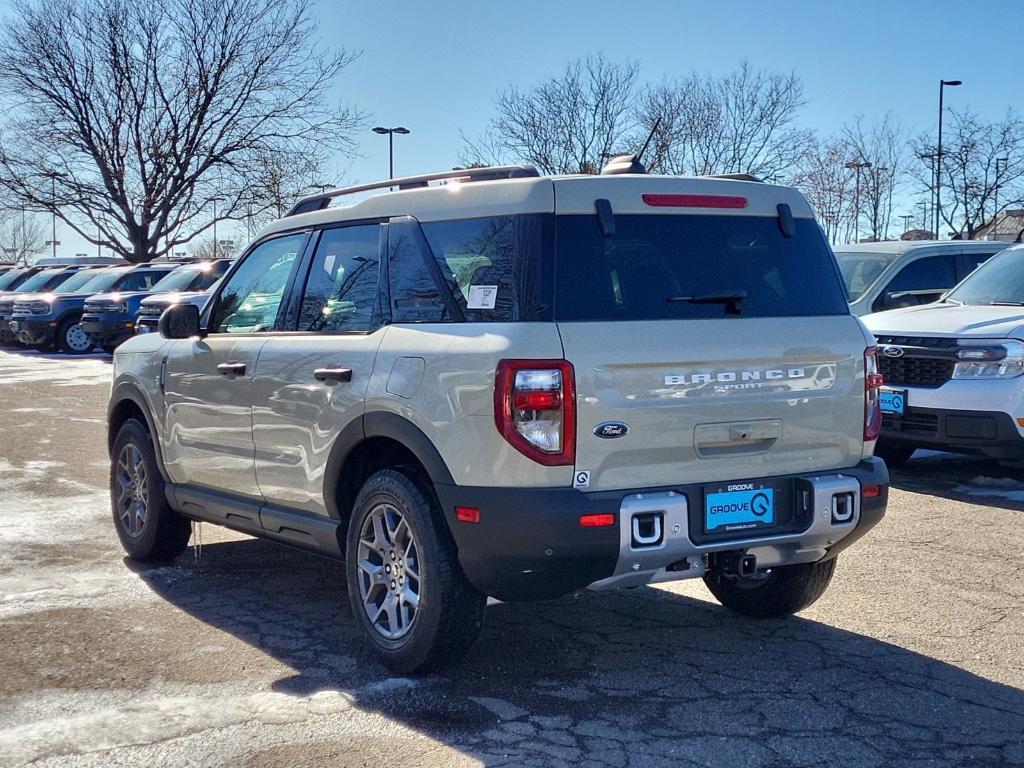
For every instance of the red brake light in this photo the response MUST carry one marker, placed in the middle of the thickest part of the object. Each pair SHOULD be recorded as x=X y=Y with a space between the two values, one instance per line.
x=695 y=201
x=597 y=521
x=467 y=514
x=535 y=409
x=872 y=395
x=872 y=491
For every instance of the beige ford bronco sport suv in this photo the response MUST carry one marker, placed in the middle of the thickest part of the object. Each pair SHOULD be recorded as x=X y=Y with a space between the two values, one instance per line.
x=488 y=382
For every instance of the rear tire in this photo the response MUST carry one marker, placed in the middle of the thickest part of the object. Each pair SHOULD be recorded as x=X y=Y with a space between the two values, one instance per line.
x=71 y=339
x=148 y=528
x=407 y=589
x=777 y=592
x=894 y=454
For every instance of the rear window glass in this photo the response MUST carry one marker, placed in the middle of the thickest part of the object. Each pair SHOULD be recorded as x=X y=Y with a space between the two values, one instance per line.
x=666 y=267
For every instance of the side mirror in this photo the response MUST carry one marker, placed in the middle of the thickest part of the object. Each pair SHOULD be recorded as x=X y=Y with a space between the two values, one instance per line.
x=179 y=321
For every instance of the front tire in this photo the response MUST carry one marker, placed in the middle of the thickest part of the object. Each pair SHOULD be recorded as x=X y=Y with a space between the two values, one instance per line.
x=407 y=590
x=148 y=528
x=71 y=339
x=773 y=593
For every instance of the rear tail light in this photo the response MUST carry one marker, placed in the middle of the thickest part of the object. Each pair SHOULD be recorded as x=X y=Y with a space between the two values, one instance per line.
x=695 y=201
x=535 y=409
x=872 y=395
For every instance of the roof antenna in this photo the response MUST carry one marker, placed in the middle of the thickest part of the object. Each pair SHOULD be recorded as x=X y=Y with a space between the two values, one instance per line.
x=630 y=163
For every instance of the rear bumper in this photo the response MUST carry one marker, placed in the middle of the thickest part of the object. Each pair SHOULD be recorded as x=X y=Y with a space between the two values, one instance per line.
x=108 y=330
x=991 y=433
x=529 y=545
x=33 y=330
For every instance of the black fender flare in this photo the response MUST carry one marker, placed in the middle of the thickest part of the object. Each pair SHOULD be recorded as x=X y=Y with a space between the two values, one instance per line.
x=380 y=424
x=128 y=391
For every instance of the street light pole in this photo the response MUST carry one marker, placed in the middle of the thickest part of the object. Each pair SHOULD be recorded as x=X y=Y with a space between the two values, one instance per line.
x=938 y=157
x=53 y=213
x=390 y=132
x=906 y=222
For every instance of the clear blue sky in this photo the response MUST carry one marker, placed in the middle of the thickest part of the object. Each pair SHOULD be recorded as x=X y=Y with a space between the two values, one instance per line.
x=436 y=66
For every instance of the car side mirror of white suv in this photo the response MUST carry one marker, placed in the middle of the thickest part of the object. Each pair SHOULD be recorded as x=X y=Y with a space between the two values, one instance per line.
x=179 y=321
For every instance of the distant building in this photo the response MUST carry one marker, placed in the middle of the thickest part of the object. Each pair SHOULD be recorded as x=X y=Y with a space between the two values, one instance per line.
x=1006 y=226
x=917 y=234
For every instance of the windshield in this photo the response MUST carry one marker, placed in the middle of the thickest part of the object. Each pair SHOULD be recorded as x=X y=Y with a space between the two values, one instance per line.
x=1000 y=280
x=861 y=270
x=194 y=277
x=10 y=278
x=76 y=281
x=103 y=280
x=40 y=281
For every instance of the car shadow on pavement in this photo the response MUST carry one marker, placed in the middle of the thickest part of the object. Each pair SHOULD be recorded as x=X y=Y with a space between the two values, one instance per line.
x=970 y=479
x=605 y=678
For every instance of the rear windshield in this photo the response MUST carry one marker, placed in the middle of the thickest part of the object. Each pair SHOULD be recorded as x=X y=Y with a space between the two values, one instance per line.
x=1000 y=280
x=861 y=269
x=688 y=267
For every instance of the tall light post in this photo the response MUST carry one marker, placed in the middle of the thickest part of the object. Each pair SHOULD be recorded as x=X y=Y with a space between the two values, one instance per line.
x=906 y=222
x=938 y=156
x=924 y=215
x=53 y=213
x=215 y=200
x=995 y=195
x=857 y=166
x=390 y=133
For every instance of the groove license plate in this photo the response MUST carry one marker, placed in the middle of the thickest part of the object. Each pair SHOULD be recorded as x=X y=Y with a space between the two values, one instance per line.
x=893 y=400
x=738 y=507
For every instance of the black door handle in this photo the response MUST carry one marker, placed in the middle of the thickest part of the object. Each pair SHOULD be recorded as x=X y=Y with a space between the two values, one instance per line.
x=231 y=369
x=333 y=374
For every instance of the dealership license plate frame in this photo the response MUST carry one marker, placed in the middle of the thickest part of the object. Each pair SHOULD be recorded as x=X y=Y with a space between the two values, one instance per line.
x=893 y=401
x=736 y=493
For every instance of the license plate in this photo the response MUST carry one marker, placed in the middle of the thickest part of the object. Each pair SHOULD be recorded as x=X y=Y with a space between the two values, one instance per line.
x=738 y=507
x=14 y=325
x=142 y=328
x=893 y=400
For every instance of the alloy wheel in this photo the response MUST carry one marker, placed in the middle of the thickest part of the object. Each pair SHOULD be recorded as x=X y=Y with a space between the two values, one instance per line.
x=132 y=490
x=389 y=571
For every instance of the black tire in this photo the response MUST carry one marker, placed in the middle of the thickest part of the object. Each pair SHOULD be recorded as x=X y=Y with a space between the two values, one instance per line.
x=450 y=610
x=778 y=592
x=894 y=454
x=63 y=344
x=164 y=534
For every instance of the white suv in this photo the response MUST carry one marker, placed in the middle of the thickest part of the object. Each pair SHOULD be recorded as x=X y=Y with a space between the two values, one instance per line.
x=953 y=369
x=517 y=386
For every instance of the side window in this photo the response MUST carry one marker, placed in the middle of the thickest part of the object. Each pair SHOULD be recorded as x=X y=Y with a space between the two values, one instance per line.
x=933 y=274
x=140 y=280
x=341 y=291
x=414 y=294
x=249 y=301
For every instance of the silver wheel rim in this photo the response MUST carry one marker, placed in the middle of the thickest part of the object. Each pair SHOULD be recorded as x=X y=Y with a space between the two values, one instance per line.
x=132 y=491
x=389 y=572
x=77 y=339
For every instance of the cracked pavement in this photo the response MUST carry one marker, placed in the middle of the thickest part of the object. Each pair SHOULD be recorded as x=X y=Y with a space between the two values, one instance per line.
x=244 y=653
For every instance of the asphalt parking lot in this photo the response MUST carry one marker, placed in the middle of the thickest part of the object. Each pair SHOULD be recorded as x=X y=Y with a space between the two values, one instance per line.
x=244 y=653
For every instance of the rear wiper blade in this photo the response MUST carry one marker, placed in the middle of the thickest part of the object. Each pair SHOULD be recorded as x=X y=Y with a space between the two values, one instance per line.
x=731 y=299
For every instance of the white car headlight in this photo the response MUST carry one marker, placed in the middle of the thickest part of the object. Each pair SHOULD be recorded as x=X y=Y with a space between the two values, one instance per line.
x=989 y=359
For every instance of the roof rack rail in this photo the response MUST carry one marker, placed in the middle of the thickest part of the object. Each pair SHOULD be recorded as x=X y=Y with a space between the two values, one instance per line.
x=734 y=177
x=321 y=200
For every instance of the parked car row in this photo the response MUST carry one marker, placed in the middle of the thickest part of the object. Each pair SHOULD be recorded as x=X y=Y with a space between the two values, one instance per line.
x=950 y=343
x=75 y=307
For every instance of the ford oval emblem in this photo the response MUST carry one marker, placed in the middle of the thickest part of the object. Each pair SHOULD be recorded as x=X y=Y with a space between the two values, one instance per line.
x=609 y=429
x=892 y=351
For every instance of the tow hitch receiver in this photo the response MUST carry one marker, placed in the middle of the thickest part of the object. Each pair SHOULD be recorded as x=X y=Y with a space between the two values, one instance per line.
x=737 y=563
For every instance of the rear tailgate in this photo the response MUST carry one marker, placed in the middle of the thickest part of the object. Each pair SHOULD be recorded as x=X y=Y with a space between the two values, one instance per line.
x=716 y=400
x=709 y=331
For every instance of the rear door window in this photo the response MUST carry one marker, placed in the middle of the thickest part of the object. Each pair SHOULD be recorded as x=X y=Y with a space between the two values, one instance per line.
x=673 y=267
x=341 y=290
x=919 y=282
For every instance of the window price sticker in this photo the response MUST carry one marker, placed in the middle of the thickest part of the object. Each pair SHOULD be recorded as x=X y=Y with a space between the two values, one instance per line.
x=482 y=296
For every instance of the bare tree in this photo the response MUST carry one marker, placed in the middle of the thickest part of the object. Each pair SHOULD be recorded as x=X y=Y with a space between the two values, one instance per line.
x=828 y=185
x=567 y=124
x=742 y=122
x=136 y=116
x=22 y=235
x=974 y=172
x=882 y=144
x=202 y=248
